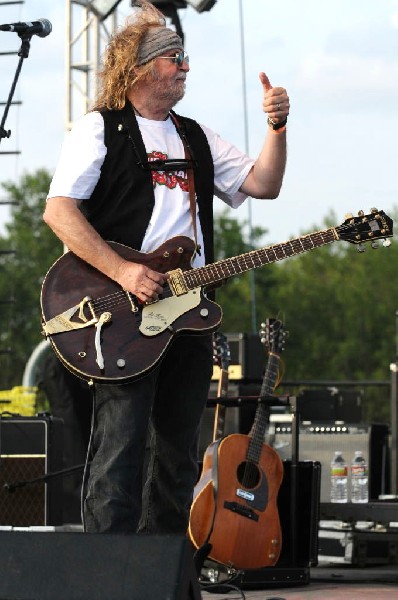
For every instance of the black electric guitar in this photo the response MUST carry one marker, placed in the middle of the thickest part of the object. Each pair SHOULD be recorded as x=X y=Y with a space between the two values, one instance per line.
x=234 y=509
x=103 y=333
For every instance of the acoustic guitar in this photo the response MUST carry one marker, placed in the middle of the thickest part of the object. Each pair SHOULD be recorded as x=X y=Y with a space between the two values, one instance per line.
x=103 y=333
x=234 y=510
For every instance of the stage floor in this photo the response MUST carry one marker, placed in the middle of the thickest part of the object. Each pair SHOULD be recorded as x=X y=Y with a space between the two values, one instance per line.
x=326 y=583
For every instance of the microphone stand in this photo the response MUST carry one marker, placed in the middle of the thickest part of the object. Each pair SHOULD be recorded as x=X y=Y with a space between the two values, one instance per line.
x=23 y=53
x=11 y=487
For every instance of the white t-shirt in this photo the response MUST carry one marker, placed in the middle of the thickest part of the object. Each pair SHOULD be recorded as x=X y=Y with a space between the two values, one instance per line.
x=83 y=153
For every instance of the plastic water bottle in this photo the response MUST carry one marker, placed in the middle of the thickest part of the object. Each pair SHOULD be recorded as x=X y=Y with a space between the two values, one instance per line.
x=359 y=478
x=338 y=478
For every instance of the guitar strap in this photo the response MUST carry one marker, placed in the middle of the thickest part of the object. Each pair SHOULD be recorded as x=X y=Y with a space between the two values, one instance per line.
x=190 y=176
x=188 y=155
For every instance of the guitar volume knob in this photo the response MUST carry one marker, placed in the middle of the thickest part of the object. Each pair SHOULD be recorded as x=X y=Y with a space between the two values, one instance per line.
x=274 y=542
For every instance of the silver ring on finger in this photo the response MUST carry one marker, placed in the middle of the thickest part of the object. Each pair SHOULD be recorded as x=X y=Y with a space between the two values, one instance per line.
x=278 y=106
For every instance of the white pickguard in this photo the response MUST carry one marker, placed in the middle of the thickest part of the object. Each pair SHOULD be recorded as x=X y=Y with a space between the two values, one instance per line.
x=160 y=315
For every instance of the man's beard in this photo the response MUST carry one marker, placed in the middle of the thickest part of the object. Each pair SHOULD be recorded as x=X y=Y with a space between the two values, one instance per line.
x=169 y=92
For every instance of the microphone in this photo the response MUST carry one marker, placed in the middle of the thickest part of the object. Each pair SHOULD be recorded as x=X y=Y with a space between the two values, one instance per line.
x=41 y=27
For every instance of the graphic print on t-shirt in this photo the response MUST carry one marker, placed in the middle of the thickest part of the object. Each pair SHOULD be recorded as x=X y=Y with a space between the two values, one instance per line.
x=168 y=178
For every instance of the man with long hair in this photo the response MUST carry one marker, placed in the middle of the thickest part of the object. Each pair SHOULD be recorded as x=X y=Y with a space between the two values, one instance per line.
x=132 y=171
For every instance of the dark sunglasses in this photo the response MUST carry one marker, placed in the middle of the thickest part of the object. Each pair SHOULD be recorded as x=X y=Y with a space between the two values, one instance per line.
x=178 y=58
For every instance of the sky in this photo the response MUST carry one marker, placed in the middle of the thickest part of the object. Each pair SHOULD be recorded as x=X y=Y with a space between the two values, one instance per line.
x=338 y=61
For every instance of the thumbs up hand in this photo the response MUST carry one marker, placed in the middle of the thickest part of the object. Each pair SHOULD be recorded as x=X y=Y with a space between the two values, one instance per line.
x=275 y=100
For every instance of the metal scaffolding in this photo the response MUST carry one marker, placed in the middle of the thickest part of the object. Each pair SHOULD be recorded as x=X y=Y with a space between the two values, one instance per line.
x=87 y=34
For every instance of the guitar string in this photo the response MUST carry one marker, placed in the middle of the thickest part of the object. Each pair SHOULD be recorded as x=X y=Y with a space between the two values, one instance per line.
x=201 y=273
x=280 y=251
x=119 y=298
x=227 y=267
x=257 y=439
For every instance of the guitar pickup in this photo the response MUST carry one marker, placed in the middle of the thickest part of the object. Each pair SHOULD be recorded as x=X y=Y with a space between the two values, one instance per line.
x=245 y=511
x=177 y=282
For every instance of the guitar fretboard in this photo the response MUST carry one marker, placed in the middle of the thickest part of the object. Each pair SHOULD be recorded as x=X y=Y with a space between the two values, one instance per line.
x=261 y=417
x=228 y=267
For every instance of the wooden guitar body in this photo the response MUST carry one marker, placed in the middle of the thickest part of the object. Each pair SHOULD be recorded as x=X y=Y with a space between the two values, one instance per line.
x=128 y=351
x=204 y=505
x=235 y=505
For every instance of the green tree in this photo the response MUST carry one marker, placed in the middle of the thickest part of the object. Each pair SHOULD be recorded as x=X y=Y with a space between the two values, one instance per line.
x=340 y=310
x=22 y=273
x=236 y=296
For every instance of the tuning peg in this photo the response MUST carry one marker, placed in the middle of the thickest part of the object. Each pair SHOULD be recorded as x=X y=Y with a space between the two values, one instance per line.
x=360 y=213
x=386 y=243
x=374 y=245
x=349 y=216
x=361 y=248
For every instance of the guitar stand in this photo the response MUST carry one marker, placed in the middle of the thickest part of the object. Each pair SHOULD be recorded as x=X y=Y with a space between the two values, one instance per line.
x=239 y=400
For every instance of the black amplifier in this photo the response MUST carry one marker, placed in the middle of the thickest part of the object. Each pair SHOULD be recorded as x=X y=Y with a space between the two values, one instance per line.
x=30 y=449
x=330 y=405
x=247 y=357
x=318 y=442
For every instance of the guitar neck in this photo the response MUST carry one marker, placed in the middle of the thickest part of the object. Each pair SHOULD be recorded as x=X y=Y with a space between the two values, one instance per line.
x=270 y=375
x=219 y=417
x=228 y=267
x=262 y=412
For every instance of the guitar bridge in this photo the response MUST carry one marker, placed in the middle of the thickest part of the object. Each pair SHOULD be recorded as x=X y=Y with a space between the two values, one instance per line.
x=245 y=511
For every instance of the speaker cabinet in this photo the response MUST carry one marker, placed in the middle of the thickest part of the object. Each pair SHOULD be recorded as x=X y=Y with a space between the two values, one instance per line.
x=299 y=524
x=330 y=405
x=247 y=357
x=30 y=449
x=79 y=566
x=319 y=442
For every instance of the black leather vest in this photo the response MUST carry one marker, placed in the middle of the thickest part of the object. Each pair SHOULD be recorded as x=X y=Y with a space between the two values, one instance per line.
x=122 y=202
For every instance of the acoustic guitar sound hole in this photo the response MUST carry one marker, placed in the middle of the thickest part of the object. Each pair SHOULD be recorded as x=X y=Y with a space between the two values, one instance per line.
x=248 y=475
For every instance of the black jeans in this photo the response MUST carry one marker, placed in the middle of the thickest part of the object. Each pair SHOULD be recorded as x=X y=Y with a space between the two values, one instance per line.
x=145 y=444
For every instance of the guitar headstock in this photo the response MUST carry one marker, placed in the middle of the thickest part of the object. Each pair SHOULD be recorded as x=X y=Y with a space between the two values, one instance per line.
x=221 y=352
x=366 y=228
x=273 y=335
